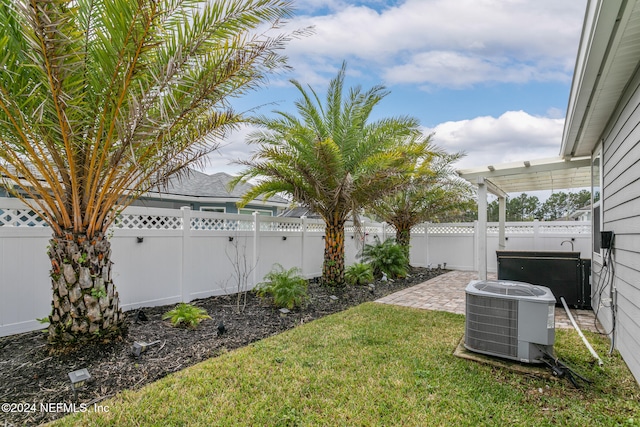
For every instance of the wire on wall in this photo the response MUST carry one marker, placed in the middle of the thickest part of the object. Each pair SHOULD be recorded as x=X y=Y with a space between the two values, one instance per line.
x=605 y=282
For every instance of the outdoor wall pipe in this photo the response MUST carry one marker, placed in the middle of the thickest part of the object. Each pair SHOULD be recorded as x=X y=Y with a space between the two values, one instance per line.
x=577 y=328
x=568 y=241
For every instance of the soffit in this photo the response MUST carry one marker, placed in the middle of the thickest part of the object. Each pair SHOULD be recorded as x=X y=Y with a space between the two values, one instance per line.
x=608 y=58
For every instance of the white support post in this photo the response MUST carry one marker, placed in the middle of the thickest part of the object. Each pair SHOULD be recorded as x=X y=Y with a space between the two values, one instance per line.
x=536 y=235
x=426 y=244
x=256 y=248
x=303 y=243
x=186 y=244
x=482 y=229
x=475 y=245
x=502 y=216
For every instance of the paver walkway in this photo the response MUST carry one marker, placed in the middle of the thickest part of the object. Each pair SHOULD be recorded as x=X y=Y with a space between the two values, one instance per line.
x=446 y=293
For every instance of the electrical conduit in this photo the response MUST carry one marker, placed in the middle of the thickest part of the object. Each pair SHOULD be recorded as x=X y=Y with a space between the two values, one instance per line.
x=577 y=328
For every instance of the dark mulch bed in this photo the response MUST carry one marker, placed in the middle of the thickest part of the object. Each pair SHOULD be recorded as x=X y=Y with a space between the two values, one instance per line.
x=30 y=376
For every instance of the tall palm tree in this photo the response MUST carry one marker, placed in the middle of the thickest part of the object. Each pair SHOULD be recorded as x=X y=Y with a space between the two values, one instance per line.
x=432 y=192
x=100 y=100
x=333 y=159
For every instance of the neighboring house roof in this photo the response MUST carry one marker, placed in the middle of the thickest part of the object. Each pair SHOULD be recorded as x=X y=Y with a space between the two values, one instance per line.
x=583 y=214
x=215 y=186
x=200 y=185
x=299 y=212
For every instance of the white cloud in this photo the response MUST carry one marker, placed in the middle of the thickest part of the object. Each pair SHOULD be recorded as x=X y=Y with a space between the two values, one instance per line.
x=233 y=148
x=446 y=43
x=460 y=70
x=514 y=136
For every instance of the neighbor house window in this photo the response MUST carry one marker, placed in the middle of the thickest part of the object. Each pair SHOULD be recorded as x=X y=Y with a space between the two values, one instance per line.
x=213 y=209
x=596 y=203
x=250 y=211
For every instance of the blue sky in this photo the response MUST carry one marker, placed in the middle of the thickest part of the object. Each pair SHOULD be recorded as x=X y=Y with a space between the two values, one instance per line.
x=487 y=77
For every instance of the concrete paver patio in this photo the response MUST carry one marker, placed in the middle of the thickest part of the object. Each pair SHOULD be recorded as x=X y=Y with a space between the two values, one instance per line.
x=446 y=293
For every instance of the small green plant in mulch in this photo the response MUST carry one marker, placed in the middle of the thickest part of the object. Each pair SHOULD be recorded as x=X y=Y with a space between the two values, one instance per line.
x=386 y=257
x=186 y=315
x=358 y=274
x=286 y=288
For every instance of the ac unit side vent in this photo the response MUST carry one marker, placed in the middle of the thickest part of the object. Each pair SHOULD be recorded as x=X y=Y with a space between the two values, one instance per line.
x=492 y=325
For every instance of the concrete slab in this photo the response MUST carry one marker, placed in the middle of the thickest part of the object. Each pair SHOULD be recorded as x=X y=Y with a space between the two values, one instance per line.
x=446 y=293
x=523 y=368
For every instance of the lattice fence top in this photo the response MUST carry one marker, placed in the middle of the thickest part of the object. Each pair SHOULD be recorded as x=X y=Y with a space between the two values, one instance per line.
x=221 y=224
x=418 y=229
x=14 y=217
x=373 y=229
x=14 y=214
x=578 y=228
x=148 y=222
x=365 y=228
x=512 y=229
x=280 y=226
x=349 y=228
x=315 y=227
x=450 y=229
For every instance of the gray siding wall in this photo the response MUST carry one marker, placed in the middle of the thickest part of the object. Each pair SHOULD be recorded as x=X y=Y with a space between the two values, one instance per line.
x=621 y=214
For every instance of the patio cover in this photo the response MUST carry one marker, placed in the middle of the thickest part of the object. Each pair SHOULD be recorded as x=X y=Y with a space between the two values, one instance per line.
x=542 y=174
x=534 y=175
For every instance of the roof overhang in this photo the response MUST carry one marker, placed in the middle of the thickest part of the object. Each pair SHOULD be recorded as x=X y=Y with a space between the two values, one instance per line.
x=210 y=199
x=542 y=174
x=607 y=60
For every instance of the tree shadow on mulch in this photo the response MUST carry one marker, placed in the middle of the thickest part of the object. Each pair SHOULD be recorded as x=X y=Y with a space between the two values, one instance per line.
x=31 y=379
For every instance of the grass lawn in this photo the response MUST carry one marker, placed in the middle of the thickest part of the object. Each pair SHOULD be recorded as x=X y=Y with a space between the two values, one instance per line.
x=372 y=365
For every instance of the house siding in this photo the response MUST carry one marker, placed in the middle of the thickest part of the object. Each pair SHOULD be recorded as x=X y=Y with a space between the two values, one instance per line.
x=229 y=207
x=621 y=214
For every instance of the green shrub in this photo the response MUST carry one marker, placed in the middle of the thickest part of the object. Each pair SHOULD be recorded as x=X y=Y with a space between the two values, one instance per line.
x=386 y=257
x=287 y=288
x=358 y=274
x=186 y=315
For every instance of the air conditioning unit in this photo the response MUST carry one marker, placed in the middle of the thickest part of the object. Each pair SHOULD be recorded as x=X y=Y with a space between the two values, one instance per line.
x=508 y=319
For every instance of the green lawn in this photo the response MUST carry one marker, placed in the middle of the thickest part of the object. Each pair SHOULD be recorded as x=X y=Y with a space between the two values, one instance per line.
x=373 y=365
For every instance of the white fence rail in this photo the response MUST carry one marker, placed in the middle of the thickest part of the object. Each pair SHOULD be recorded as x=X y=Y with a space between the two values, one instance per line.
x=158 y=260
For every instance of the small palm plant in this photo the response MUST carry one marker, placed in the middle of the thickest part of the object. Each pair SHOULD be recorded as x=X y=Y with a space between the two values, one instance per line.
x=287 y=288
x=186 y=315
x=359 y=274
x=386 y=257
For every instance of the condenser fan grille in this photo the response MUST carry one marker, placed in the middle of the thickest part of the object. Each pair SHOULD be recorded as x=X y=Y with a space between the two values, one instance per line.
x=509 y=288
x=492 y=325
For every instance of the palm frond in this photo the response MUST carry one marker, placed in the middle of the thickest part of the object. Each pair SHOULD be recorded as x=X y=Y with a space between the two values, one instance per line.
x=100 y=100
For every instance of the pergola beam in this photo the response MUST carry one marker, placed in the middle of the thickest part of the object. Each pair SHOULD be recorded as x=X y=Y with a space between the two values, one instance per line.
x=545 y=174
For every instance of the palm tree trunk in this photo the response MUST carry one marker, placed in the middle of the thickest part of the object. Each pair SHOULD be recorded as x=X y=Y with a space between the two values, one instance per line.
x=333 y=266
x=403 y=237
x=85 y=303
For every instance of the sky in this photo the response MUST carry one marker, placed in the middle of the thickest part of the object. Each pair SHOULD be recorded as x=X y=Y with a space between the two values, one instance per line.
x=490 y=78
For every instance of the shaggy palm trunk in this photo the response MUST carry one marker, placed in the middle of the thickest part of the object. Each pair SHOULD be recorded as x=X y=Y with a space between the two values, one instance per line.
x=333 y=266
x=85 y=303
x=403 y=237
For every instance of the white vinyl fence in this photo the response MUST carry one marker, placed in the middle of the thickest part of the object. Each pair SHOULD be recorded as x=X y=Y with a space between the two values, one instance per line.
x=165 y=256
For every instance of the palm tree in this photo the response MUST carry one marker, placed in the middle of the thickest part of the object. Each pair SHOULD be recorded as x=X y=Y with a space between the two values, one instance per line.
x=101 y=100
x=332 y=159
x=432 y=192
